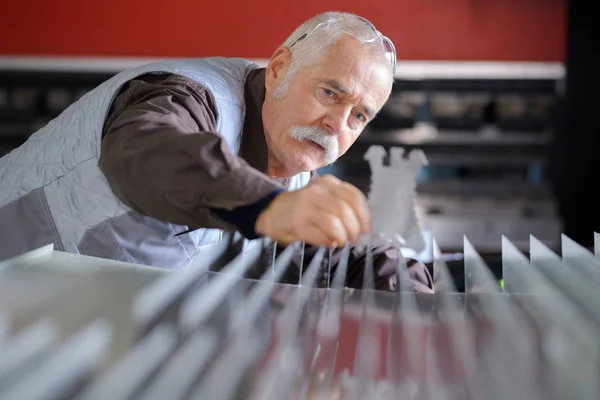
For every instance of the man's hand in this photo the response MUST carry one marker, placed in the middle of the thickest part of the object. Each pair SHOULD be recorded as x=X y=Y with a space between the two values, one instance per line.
x=327 y=212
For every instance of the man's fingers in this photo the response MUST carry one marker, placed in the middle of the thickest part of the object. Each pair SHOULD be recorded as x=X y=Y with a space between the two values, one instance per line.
x=357 y=200
x=327 y=212
x=345 y=213
x=309 y=217
x=314 y=235
x=331 y=226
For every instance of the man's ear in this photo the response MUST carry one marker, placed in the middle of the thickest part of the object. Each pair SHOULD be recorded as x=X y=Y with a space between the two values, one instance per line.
x=277 y=68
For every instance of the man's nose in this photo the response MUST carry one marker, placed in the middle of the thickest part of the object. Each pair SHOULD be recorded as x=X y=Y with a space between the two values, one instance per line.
x=335 y=122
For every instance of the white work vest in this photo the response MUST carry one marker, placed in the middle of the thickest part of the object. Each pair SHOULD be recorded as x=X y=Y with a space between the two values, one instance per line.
x=52 y=190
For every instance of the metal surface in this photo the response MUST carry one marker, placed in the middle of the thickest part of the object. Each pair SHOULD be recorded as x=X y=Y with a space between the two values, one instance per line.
x=392 y=198
x=83 y=328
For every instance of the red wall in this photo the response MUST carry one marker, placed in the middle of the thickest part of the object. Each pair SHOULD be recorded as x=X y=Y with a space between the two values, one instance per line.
x=509 y=30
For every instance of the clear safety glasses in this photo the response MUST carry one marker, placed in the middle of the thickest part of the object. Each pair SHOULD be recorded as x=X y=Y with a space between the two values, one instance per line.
x=389 y=46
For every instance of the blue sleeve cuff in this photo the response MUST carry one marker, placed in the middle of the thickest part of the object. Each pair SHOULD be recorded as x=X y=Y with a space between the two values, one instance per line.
x=244 y=218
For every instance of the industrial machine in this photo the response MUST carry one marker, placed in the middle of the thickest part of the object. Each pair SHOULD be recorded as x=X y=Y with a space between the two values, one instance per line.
x=77 y=327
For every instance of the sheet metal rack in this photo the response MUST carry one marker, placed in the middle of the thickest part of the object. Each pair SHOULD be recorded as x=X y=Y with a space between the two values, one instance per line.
x=77 y=327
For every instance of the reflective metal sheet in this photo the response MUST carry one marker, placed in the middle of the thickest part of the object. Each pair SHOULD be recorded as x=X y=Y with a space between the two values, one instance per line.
x=126 y=332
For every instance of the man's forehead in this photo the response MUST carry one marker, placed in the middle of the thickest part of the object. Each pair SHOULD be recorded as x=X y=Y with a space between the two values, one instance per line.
x=359 y=77
x=370 y=88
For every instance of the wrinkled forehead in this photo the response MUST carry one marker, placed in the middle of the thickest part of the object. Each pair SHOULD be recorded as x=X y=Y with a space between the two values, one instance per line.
x=365 y=77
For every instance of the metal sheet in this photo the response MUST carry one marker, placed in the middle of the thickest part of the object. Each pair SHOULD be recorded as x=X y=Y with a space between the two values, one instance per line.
x=262 y=339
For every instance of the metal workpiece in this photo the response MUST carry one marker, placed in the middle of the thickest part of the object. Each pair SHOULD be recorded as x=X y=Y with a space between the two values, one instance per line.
x=392 y=197
x=99 y=329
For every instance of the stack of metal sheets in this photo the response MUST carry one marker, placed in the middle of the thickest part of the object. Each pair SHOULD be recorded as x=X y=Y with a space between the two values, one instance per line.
x=75 y=327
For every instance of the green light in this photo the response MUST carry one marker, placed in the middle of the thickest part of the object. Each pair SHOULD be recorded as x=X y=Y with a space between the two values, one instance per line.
x=501 y=281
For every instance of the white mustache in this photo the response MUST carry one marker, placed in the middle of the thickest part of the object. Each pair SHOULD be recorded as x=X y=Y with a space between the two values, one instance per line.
x=320 y=137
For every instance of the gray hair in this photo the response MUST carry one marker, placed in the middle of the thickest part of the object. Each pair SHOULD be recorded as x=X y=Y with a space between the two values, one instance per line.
x=309 y=42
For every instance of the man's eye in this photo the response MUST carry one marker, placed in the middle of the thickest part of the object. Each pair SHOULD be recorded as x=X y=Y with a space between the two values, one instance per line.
x=360 y=117
x=328 y=92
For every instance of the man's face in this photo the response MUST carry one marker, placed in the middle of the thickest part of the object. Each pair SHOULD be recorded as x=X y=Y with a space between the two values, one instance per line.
x=325 y=107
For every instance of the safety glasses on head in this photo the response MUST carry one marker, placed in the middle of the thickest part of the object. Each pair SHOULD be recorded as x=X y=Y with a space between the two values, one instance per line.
x=389 y=46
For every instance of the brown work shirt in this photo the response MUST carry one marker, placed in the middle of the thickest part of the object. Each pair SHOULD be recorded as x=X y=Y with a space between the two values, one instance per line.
x=163 y=157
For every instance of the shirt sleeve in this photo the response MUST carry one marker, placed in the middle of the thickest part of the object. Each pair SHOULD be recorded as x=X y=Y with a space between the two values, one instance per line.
x=163 y=158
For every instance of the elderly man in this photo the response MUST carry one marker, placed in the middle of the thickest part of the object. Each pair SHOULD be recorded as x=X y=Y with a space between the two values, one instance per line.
x=156 y=163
